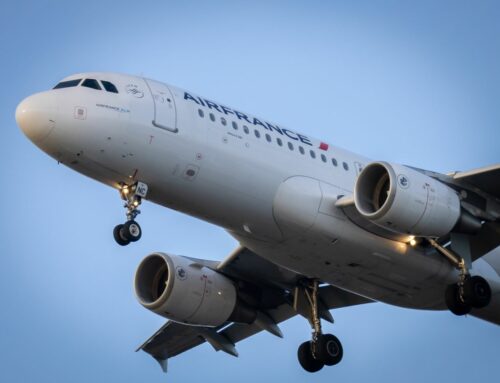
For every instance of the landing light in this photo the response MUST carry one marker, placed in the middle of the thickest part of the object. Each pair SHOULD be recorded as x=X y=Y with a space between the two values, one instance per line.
x=412 y=241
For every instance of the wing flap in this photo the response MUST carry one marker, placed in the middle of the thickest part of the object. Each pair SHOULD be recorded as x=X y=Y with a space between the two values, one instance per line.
x=172 y=339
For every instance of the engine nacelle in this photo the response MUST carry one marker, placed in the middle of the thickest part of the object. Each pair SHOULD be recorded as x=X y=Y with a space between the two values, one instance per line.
x=179 y=289
x=406 y=201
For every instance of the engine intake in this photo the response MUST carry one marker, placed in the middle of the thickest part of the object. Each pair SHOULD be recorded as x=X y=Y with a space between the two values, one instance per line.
x=152 y=281
x=406 y=201
x=184 y=291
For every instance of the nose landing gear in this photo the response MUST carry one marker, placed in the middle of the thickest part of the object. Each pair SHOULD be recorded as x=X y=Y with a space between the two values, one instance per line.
x=323 y=349
x=130 y=231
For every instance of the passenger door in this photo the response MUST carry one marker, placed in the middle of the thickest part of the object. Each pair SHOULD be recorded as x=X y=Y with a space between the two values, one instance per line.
x=164 y=106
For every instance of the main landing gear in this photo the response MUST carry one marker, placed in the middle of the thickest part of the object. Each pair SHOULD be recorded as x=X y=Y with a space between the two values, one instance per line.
x=130 y=231
x=470 y=291
x=323 y=349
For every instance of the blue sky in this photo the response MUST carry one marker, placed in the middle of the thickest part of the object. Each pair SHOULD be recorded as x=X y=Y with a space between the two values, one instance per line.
x=409 y=82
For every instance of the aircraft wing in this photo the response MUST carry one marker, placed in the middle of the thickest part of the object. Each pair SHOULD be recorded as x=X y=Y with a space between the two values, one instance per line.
x=483 y=180
x=486 y=179
x=174 y=338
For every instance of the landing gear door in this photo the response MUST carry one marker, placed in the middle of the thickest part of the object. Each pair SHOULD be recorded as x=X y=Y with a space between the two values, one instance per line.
x=164 y=106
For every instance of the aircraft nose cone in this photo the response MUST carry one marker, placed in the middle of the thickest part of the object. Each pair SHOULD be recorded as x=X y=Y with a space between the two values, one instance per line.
x=35 y=115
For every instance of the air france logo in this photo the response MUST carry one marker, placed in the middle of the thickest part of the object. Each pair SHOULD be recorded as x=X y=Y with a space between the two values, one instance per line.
x=134 y=91
x=181 y=273
x=251 y=120
x=403 y=181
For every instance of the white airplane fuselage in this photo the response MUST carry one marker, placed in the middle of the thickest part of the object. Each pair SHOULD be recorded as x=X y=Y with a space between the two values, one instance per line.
x=239 y=177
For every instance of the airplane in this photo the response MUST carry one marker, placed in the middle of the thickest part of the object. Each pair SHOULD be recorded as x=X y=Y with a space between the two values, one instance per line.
x=318 y=227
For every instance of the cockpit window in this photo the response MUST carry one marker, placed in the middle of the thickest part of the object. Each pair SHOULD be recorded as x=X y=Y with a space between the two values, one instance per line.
x=109 y=86
x=67 y=84
x=91 y=83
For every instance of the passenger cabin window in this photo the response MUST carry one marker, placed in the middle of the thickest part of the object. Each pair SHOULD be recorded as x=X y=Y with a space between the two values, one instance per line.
x=301 y=150
x=200 y=113
x=212 y=117
x=257 y=133
x=334 y=162
x=323 y=158
x=91 y=83
x=110 y=87
x=235 y=125
x=346 y=167
x=279 y=141
x=312 y=153
x=290 y=146
x=245 y=129
x=223 y=121
x=67 y=84
x=268 y=138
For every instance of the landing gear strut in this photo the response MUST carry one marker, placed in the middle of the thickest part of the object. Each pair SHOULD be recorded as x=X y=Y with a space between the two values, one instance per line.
x=470 y=291
x=323 y=349
x=130 y=231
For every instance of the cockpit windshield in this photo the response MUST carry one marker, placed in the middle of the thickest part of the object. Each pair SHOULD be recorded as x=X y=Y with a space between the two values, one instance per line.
x=88 y=83
x=67 y=84
x=109 y=86
x=91 y=83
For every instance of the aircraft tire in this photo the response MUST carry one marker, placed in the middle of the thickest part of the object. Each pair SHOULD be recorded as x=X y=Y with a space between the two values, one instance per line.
x=455 y=305
x=306 y=358
x=477 y=292
x=330 y=350
x=131 y=231
x=119 y=238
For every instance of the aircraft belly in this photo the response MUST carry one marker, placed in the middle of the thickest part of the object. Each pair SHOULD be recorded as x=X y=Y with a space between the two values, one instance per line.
x=376 y=268
x=238 y=205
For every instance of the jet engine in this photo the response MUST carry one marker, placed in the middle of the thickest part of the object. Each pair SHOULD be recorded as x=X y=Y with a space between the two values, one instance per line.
x=406 y=201
x=185 y=291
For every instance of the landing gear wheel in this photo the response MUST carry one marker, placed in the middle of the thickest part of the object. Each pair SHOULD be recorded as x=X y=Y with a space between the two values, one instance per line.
x=306 y=358
x=131 y=231
x=453 y=301
x=119 y=238
x=477 y=292
x=329 y=349
x=469 y=292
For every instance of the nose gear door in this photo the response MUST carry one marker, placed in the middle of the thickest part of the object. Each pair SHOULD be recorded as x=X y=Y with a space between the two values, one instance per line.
x=164 y=106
